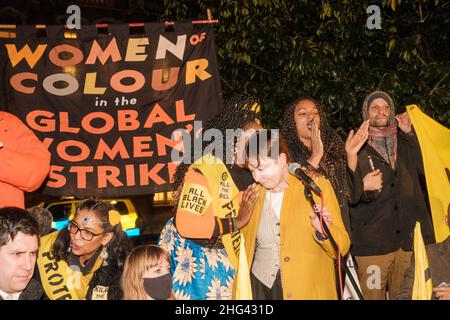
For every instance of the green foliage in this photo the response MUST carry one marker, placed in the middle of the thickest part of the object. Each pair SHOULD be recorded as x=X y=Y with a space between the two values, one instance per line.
x=282 y=49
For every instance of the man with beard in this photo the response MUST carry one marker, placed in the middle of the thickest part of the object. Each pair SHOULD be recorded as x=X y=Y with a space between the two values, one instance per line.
x=387 y=196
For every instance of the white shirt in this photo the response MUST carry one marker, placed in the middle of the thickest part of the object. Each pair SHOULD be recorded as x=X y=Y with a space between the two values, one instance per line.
x=274 y=201
x=6 y=296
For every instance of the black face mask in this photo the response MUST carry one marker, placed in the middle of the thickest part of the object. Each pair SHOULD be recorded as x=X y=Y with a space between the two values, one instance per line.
x=159 y=288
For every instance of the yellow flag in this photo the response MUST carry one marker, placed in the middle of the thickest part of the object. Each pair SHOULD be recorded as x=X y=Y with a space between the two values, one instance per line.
x=243 y=286
x=422 y=288
x=434 y=140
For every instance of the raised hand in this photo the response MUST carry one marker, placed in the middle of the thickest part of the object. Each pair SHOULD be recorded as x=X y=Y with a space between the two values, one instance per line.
x=356 y=140
x=316 y=145
x=354 y=143
x=404 y=122
x=247 y=204
x=373 y=181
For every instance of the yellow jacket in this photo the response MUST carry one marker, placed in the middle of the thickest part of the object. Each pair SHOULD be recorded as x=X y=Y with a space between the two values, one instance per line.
x=307 y=266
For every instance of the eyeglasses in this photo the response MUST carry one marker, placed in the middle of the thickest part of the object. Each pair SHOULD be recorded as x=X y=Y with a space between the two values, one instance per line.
x=84 y=233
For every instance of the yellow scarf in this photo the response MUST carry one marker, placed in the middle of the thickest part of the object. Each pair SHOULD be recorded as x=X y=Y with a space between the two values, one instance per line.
x=225 y=202
x=59 y=281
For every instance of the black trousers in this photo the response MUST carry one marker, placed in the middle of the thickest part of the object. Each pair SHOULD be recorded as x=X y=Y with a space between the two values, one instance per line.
x=261 y=292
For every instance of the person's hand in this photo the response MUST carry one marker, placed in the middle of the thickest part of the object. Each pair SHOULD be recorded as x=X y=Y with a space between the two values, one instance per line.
x=247 y=204
x=315 y=221
x=316 y=145
x=373 y=181
x=404 y=122
x=442 y=293
x=356 y=140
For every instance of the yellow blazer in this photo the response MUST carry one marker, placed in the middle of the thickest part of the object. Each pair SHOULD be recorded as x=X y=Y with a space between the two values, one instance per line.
x=307 y=267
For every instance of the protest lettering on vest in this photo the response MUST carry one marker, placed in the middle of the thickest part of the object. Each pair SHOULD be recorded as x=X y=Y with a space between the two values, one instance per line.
x=225 y=202
x=61 y=281
x=221 y=183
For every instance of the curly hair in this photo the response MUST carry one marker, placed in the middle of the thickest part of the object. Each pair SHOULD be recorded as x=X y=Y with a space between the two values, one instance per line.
x=237 y=112
x=119 y=246
x=333 y=164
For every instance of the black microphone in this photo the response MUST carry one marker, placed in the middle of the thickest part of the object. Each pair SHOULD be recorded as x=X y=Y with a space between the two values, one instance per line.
x=296 y=170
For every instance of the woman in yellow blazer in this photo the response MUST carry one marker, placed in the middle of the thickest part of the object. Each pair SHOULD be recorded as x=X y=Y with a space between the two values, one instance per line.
x=289 y=254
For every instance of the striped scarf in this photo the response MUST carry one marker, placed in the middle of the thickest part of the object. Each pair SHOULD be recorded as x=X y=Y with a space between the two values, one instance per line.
x=384 y=141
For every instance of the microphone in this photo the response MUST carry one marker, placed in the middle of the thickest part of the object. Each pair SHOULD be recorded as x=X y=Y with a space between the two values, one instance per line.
x=296 y=170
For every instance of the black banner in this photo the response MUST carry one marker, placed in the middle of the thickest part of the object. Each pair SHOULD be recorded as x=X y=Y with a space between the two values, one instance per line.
x=106 y=103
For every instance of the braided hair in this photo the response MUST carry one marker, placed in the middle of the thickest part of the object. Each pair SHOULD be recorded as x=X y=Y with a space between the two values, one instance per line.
x=333 y=163
x=237 y=112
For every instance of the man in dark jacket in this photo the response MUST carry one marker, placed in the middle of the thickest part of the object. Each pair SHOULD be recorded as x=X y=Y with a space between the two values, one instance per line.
x=19 y=244
x=384 y=166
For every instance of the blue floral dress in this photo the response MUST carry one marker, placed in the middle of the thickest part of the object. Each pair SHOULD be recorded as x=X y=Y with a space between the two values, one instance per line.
x=198 y=273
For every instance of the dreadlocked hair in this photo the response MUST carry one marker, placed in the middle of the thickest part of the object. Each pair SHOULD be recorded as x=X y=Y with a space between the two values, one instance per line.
x=236 y=114
x=333 y=163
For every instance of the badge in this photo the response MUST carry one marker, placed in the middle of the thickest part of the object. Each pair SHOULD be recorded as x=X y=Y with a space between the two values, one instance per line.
x=100 y=293
x=195 y=199
x=225 y=187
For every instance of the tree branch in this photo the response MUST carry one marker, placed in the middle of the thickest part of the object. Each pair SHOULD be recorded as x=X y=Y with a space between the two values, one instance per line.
x=259 y=68
x=437 y=85
x=226 y=83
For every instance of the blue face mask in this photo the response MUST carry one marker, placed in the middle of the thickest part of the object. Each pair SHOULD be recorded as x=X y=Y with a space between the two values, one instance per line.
x=159 y=288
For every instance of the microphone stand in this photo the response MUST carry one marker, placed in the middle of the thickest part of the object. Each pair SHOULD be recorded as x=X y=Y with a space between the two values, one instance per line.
x=310 y=198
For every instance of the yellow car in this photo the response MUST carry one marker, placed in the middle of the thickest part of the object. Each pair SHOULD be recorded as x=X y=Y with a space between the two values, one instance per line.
x=63 y=211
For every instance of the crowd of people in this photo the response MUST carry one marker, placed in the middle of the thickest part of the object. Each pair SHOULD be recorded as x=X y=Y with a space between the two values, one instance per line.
x=295 y=242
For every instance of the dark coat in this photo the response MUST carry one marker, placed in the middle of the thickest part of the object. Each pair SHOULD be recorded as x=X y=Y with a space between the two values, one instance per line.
x=33 y=291
x=382 y=222
x=439 y=262
x=106 y=276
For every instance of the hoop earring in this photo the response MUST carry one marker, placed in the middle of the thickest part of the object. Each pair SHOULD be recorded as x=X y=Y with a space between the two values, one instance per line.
x=104 y=255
